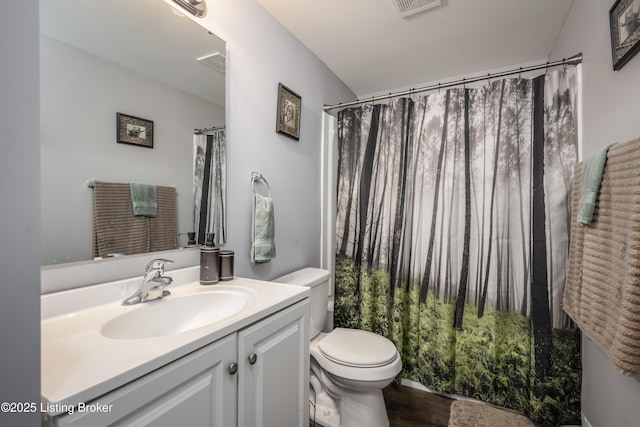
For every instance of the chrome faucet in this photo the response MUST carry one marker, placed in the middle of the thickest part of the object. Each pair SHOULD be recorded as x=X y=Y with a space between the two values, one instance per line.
x=153 y=284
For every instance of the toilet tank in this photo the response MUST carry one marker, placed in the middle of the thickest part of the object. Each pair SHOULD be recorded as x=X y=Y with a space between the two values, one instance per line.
x=318 y=280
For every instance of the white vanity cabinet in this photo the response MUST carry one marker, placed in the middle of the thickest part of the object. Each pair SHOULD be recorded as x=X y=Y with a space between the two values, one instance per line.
x=195 y=390
x=257 y=376
x=273 y=389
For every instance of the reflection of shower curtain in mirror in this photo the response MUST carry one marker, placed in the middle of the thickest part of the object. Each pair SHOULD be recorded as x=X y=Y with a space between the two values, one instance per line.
x=209 y=184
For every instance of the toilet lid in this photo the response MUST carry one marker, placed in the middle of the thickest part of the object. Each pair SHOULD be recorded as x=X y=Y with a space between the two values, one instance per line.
x=354 y=347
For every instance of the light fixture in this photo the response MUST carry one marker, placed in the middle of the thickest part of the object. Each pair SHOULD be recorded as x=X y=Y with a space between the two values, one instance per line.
x=197 y=8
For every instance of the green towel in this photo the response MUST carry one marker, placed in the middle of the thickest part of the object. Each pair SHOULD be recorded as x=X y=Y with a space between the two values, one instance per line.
x=263 y=247
x=592 y=170
x=144 y=198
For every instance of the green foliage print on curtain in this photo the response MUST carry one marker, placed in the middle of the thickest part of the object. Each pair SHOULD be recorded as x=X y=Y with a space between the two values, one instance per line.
x=453 y=218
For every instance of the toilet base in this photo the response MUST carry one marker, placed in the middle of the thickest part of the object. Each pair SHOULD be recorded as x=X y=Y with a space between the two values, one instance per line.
x=323 y=416
x=363 y=409
x=355 y=410
x=343 y=402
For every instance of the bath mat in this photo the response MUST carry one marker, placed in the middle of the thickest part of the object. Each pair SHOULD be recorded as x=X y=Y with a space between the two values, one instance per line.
x=471 y=414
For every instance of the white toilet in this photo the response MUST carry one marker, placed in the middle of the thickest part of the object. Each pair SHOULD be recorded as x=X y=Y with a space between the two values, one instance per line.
x=349 y=367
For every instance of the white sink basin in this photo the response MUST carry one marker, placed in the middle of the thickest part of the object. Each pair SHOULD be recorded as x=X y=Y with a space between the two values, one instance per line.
x=174 y=314
x=91 y=344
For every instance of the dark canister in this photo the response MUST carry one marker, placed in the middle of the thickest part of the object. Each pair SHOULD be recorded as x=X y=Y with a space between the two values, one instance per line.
x=226 y=265
x=209 y=262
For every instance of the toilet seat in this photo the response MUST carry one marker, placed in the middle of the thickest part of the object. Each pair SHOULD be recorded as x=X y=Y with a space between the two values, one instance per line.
x=357 y=348
x=353 y=368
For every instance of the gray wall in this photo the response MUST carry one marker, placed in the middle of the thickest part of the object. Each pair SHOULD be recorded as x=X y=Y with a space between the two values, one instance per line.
x=262 y=53
x=80 y=94
x=20 y=211
x=611 y=106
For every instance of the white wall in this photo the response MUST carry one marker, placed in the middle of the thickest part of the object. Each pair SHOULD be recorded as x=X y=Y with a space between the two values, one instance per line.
x=80 y=95
x=611 y=106
x=19 y=211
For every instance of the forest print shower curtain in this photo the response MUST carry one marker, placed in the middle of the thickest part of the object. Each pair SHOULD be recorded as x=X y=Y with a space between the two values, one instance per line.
x=453 y=219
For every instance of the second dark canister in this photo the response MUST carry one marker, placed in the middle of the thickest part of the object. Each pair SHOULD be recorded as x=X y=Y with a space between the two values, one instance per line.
x=226 y=265
x=209 y=262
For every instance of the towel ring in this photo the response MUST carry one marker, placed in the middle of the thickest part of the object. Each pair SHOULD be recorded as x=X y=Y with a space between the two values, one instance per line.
x=258 y=176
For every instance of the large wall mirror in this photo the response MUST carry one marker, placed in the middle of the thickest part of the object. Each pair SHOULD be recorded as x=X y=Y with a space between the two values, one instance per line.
x=138 y=58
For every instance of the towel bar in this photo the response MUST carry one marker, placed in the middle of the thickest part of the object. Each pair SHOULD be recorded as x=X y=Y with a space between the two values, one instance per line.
x=91 y=184
x=258 y=176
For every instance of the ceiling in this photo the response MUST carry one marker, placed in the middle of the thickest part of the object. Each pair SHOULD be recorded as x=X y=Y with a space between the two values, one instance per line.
x=162 y=44
x=374 y=50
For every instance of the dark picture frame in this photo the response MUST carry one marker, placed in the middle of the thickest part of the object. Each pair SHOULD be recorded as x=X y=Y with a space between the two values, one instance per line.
x=624 y=19
x=289 y=103
x=134 y=130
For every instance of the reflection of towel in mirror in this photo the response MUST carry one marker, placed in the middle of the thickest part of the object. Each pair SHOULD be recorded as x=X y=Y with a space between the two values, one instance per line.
x=144 y=198
x=116 y=229
x=263 y=247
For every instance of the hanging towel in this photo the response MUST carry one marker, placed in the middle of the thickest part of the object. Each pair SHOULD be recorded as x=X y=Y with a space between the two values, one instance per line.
x=602 y=290
x=116 y=230
x=144 y=198
x=591 y=178
x=263 y=247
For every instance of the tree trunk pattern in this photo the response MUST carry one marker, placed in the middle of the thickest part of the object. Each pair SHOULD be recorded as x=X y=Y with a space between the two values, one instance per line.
x=441 y=199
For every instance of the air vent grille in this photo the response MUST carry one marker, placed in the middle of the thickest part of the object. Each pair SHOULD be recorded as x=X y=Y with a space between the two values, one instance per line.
x=409 y=7
x=216 y=61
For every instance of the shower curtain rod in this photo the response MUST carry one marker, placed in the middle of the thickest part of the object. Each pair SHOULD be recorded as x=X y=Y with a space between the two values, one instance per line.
x=574 y=60
x=205 y=130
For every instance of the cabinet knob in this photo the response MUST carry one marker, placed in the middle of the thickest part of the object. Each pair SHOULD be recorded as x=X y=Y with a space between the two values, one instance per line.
x=233 y=368
x=252 y=358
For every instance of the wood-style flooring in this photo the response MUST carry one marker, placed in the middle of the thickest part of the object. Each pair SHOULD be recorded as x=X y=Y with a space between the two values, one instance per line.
x=410 y=407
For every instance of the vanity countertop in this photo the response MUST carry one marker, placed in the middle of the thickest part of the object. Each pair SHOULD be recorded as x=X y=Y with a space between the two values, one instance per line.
x=79 y=363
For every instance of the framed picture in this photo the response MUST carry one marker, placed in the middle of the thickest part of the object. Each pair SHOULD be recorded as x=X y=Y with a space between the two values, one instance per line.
x=288 y=112
x=135 y=131
x=624 y=18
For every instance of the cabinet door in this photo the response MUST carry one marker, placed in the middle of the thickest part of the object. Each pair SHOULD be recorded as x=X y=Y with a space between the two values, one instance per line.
x=196 y=390
x=273 y=359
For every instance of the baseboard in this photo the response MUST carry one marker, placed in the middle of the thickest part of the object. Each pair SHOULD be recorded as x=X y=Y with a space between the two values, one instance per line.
x=414 y=384
x=418 y=386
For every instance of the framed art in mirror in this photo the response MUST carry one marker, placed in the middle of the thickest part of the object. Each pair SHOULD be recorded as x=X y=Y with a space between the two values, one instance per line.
x=624 y=18
x=289 y=112
x=134 y=130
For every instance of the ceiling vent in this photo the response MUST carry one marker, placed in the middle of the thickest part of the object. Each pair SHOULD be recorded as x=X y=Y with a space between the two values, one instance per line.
x=410 y=7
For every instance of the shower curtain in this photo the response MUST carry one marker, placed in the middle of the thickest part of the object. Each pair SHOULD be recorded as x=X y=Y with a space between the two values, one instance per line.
x=209 y=186
x=452 y=232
